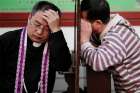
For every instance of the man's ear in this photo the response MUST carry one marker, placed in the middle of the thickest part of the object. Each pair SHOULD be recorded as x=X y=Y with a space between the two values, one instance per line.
x=98 y=22
x=97 y=25
x=29 y=17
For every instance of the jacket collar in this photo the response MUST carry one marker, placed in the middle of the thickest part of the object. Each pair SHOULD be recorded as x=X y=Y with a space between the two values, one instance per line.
x=114 y=20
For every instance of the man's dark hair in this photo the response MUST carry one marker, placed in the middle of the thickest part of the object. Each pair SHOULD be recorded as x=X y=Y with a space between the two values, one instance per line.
x=96 y=10
x=44 y=5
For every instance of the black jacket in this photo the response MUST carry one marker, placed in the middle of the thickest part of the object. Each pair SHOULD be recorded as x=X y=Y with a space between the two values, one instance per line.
x=60 y=60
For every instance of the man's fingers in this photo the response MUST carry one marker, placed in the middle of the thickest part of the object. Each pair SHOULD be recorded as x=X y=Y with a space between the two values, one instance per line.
x=46 y=18
x=48 y=14
x=85 y=25
x=51 y=13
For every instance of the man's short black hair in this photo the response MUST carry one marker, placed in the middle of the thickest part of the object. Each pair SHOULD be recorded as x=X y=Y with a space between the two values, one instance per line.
x=44 y=5
x=96 y=10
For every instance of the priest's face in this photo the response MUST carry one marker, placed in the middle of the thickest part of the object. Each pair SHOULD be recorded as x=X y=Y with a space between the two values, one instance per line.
x=37 y=28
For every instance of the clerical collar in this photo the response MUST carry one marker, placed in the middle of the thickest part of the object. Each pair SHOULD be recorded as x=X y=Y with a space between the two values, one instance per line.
x=35 y=44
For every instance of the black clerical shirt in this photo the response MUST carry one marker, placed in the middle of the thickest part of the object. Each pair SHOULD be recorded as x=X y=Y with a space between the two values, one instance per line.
x=60 y=60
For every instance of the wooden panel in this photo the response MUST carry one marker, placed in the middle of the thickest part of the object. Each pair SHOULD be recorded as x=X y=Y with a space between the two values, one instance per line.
x=20 y=19
x=98 y=82
x=132 y=17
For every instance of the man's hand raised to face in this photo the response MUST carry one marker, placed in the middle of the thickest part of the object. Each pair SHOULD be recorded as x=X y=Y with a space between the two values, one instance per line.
x=53 y=20
x=86 y=31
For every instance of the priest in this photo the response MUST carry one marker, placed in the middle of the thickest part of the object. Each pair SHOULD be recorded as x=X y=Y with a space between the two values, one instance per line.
x=30 y=57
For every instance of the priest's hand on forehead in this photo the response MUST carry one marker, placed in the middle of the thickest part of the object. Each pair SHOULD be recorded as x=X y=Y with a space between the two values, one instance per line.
x=53 y=19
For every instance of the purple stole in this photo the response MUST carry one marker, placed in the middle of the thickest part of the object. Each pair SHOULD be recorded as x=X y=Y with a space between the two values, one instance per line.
x=19 y=81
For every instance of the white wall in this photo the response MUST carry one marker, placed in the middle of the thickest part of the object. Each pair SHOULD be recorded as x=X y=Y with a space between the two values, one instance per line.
x=68 y=33
x=60 y=84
